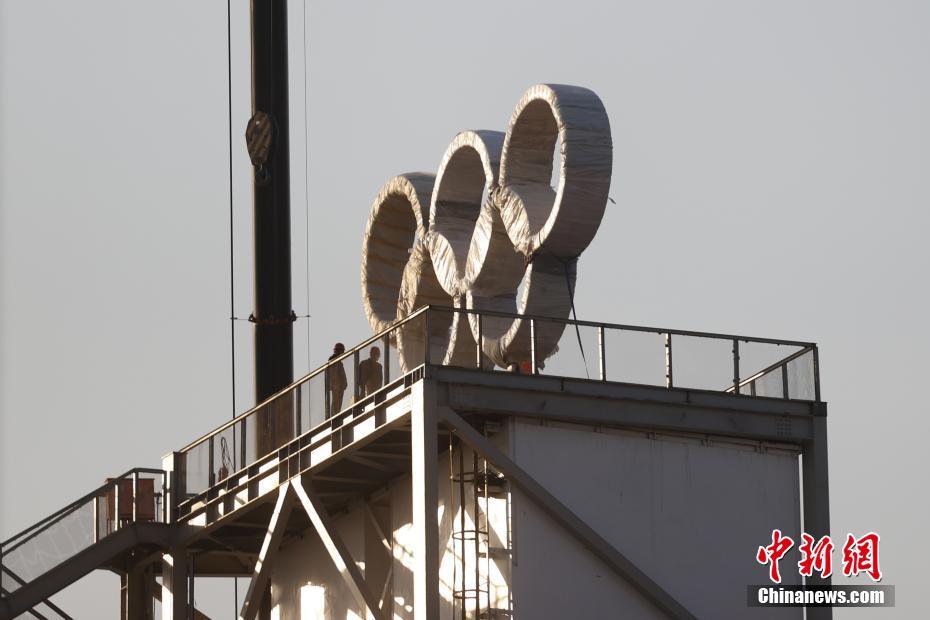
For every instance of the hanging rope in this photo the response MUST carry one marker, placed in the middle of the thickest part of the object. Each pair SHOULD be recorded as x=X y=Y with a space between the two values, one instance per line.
x=232 y=282
x=307 y=176
x=571 y=297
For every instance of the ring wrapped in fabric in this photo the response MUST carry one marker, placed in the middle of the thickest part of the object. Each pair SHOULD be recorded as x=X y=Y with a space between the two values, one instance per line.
x=545 y=292
x=421 y=288
x=562 y=220
x=397 y=220
x=497 y=236
x=466 y=176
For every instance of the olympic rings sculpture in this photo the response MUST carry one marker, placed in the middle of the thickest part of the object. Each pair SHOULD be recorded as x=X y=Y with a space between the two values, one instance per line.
x=488 y=231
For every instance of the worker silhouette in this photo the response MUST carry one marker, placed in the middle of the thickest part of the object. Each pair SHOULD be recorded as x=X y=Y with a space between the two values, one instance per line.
x=371 y=374
x=336 y=379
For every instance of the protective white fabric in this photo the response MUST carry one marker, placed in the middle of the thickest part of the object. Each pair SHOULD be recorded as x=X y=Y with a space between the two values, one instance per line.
x=494 y=226
x=397 y=220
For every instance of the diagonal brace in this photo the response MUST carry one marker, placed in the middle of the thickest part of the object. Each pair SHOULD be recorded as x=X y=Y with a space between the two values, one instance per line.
x=337 y=549
x=266 y=557
x=585 y=534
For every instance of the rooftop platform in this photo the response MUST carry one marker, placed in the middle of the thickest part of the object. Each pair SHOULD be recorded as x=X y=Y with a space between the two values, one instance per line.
x=218 y=494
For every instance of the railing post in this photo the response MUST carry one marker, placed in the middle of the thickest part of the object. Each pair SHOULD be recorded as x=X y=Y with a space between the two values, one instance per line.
x=97 y=518
x=816 y=364
x=243 y=447
x=602 y=352
x=327 y=399
x=669 y=381
x=135 y=496
x=211 y=479
x=387 y=358
x=784 y=381
x=116 y=503
x=426 y=336
x=164 y=496
x=298 y=409
x=735 y=366
x=355 y=376
x=174 y=466
x=478 y=351
x=534 y=368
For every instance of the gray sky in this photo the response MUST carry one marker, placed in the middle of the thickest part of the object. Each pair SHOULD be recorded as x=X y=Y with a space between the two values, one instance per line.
x=770 y=176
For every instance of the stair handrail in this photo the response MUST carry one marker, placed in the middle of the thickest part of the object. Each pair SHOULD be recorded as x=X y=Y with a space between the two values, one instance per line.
x=60 y=514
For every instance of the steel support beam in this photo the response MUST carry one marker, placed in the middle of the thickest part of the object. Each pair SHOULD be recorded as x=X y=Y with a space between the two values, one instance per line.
x=337 y=550
x=584 y=533
x=589 y=402
x=174 y=593
x=270 y=546
x=816 y=491
x=274 y=363
x=424 y=473
x=137 y=595
x=385 y=541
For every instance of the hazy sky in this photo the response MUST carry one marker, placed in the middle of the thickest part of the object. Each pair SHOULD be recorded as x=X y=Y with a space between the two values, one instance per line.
x=770 y=174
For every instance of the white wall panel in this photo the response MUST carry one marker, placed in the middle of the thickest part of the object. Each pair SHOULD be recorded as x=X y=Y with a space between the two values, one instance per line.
x=690 y=514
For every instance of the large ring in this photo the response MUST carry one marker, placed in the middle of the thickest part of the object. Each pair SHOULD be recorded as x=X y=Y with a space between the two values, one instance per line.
x=497 y=234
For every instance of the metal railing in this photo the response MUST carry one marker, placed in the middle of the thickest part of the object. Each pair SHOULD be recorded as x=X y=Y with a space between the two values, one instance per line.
x=287 y=414
x=363 y=417
x=629 y=354
x=671 y=358
x=137 y=495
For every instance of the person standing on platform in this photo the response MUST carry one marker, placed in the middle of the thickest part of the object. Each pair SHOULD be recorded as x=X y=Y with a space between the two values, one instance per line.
x=371 y=374
x=336 y=380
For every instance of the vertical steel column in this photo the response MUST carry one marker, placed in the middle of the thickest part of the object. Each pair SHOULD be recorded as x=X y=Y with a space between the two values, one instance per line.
x=137 y=593
x=816 y=490
x=602 y=353
x=174 y=593
x=274 y=363
x=424 y=472
x=477 y=524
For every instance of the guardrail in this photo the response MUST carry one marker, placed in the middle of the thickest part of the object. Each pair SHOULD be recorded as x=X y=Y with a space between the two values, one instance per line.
x=363 y=417
x=137 y=495
x=671 y=358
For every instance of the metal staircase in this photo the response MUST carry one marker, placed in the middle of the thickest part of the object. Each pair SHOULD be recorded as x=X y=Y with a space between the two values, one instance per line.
x=95 y=531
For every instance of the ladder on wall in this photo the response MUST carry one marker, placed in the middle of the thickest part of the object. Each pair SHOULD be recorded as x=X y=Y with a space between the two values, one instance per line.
x=476 y=490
